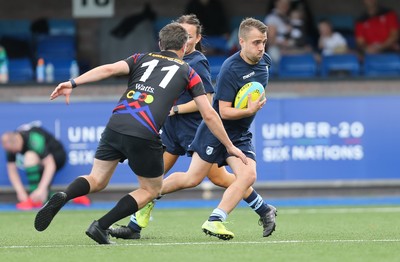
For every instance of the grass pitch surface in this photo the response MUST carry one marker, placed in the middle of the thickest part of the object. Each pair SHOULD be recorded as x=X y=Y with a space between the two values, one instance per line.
x=302 y=234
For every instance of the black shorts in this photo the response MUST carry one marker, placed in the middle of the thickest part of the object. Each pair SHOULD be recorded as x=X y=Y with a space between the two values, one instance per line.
x=145 y=157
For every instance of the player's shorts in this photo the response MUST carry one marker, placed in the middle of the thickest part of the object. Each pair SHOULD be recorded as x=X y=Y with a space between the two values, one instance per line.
x=178 y=132
x=145 y=157
x=212 y=151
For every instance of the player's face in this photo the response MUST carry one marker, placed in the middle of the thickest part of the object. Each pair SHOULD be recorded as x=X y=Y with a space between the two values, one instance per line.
x=253 y=46
x=9 y=144
x=194 y=38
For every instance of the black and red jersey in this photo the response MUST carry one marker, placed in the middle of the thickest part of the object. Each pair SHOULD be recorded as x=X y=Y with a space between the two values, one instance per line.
x=156 y=80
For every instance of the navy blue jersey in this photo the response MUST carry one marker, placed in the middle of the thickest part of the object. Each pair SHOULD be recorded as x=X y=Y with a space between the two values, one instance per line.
x=179 y=130
x=234 y=74
x=200 y=64
x=155 y=81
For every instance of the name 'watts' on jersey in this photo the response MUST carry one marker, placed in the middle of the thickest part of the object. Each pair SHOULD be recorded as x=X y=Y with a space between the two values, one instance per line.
x=155 y=81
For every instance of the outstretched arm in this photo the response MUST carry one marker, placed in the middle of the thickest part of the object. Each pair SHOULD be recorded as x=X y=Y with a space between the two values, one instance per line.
x=96 y=74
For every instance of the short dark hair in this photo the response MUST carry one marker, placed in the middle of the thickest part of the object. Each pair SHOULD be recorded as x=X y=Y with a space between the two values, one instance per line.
x=249 y=23
x=172 y=37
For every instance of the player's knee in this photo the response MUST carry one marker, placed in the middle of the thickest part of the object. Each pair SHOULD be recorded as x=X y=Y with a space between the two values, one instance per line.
x=31 y=159
x=96 y=184
x=193 y=182
x=248 y=179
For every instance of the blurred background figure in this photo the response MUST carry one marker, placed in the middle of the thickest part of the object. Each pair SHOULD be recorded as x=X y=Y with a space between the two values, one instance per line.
x=37 y=152
x=287 y=30
x=3 y=65
x=330 y=42
x=377 y=30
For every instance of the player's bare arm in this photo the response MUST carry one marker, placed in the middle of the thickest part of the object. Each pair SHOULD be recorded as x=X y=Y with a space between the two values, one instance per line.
x=96 y=74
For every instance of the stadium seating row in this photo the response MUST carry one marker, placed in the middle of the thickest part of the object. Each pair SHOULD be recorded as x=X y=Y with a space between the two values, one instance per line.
x=345 y=65
x=55 y=44
x=291 y=66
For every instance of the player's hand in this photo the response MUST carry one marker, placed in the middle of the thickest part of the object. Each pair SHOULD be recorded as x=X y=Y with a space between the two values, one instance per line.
x=65 y=89
x=257 y=104
x=171 y=112
x=39 y=195
x=22 y=196
x=234 y=151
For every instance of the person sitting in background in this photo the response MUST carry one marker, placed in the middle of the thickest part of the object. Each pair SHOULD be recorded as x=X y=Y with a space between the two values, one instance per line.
x=41 y=156
x=286 y=31
x=330 y=42
x=377 y=30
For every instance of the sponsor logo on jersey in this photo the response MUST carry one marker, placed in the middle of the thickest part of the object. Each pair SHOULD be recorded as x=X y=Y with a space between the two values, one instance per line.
x=249 y=75
x=141 y=97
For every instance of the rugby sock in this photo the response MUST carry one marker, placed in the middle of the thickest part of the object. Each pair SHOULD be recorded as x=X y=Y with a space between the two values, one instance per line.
x=125 y=206
x=133 y=224
x=79 y=187
x=256 y=202
x=218 y=215
x=34 y=174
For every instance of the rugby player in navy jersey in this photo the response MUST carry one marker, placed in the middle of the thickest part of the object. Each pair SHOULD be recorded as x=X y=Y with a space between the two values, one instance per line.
x=155 y=81
x=247 y=65
x=178 y=132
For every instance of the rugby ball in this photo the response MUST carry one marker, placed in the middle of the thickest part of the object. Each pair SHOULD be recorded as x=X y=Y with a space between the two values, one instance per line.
x=253 y=88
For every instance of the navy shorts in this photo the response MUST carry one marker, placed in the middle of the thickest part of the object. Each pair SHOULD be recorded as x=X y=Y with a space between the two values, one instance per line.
x=178 y=132
x=212 y=151
x=145 y=156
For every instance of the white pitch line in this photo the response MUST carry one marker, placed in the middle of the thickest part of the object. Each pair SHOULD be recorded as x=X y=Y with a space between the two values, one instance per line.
x=340 y=210
x=333 y=241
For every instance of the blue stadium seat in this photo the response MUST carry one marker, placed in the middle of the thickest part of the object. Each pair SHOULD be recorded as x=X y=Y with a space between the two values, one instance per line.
x=217 y=43
x=215 y=65
x=62 y=27
x=297 y=66
x=20 y=70
x=338 y=65
x=15 y=27
x=56 y=47
x=382 y=64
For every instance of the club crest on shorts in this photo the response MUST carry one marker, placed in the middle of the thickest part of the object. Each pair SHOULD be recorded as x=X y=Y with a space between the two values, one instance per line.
x=209 y=150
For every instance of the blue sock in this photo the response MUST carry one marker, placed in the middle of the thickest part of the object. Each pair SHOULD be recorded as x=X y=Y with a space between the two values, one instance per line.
x=256 y=202
x=133 y=224
x=218 y=215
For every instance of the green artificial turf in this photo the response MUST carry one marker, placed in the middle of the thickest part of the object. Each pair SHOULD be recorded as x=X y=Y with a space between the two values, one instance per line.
x=302 y=234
